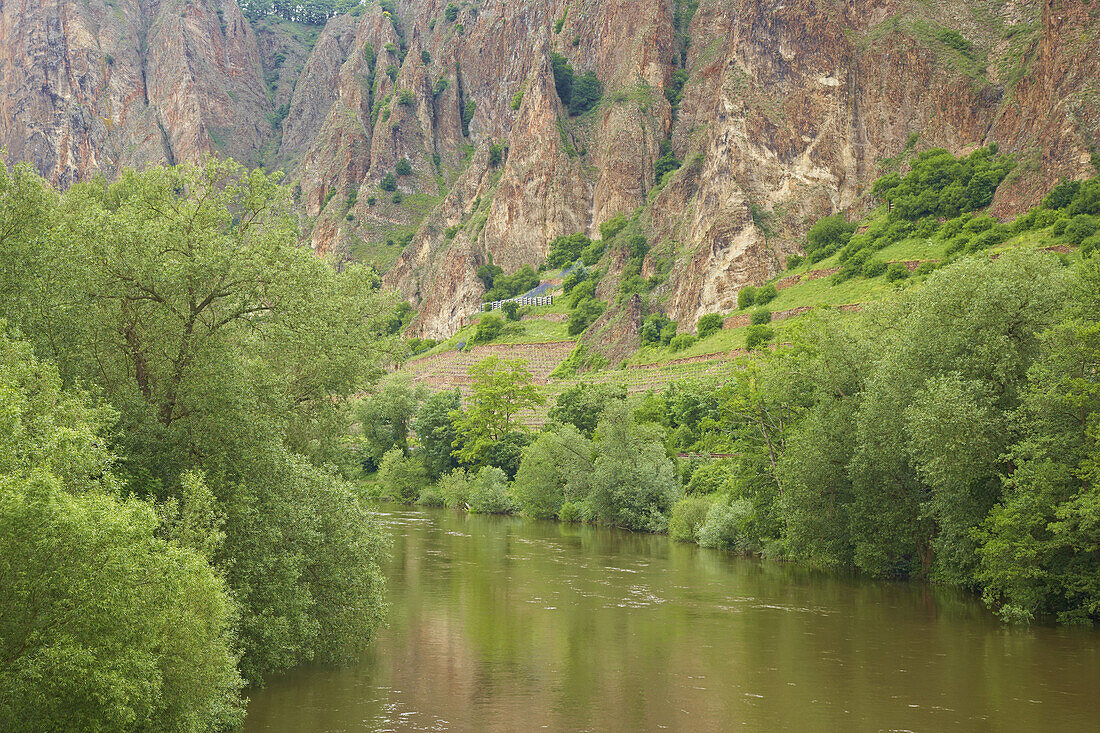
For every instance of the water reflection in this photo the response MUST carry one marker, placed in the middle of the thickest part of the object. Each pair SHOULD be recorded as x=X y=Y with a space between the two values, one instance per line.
x=497 y=624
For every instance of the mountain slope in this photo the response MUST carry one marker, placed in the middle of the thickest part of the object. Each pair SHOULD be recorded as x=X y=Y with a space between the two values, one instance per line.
x=780 y=111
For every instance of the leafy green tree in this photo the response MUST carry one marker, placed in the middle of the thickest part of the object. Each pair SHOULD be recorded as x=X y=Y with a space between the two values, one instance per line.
x=633 y=484
x=555 y=469
x=583 y=404
x=104 y=623
x=435 y=432
x=584 y=315
x=746 y=297
x=402 y=478
x=488 y=328
x=688 y=515
x=182 y=294
x=385 y=419
x=501 y=390
x=489 y=492
x=1038 y=545
x=935 y=419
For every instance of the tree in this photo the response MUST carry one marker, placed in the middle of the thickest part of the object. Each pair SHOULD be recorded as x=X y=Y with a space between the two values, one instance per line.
x=708 y=325
x=435 y=432
x=388 y=183
x=182 y=294
x=488 y=328
x=501 y=389
x=104 y=623
x=583 y=404
x=555 y=469
x=633 y=484
x=510 y=310
x=584 y=315
x=1038 y=544
x=402 y=478
x=385 y=419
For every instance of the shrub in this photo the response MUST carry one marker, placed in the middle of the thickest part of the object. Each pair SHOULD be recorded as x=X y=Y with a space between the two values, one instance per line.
x=488 y=328
x=397 y=197
x=404 y=168
x=388 y=182
x=610 y=228
x=425 y=57
x=489 y=492
x=765 y=294
x=668 y=332
x=567 y=248
x=688 y=516
x=455 y=488
x=896 y=271
x=758 y=336
x=746 y=296
x=709 y=478
x=406 y=98
x=1059 y=227
x=729 y=527
x=431 y=496
x=592 y=253
x=517 y=100
x=496 y=154
x=371 y=200
x=451 y=12
x=827 y=236
x=510 y=310
x=652 y=326
x=925 y=268
x=571 y=512
x=1080 y=228
x=452 y=231
x=794 y=261
x=682 y=341
x=873 y=268
x=760 y=317
x=708 y=325
x=401 y=477
x=1062 y=195
x=586 y=312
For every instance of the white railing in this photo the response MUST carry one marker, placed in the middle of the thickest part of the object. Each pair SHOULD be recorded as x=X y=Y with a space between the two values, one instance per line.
x=521 y=300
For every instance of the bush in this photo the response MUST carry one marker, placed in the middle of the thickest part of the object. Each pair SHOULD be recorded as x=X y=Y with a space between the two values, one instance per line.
x=488 y=328
x=652 y=326
x=610 y=228
x=764 y=295
x=688 y=516
x=1059 y=227
x=896 y=271
x=761 y=316
x=682 y=341
x=1062 y=195
x=388 y=182
x=708 y=325
x=510 y=310
x=729 y=527
x=404 y=168
x=451 y=12
x=431 y=496
x=794 y=261
x=567 y=248
x=827 y=236
x=489 y=492
x=668 y=332
x=586 y=92
x=873 y=268
x=496 y=154
x=709 y=478
x=758 y=336
x=571 y=512
x=455 y=488
x=406 y=98
x=586 y=312
x=426 y=57
x=746 y=296
x=1080 y=228
x=925 y=268
x=397 y=197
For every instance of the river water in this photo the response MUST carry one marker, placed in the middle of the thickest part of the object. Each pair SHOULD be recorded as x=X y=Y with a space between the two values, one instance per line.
x=500 y=624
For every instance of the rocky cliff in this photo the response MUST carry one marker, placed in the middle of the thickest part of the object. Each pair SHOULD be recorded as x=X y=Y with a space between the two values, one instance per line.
x=430 y=137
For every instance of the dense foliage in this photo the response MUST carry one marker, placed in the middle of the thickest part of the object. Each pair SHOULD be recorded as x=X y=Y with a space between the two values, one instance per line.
x=578 y=92
x=221 y=356
x=948 y=433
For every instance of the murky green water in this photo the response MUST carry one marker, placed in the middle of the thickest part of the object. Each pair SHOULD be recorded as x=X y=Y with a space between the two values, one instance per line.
x=497 y=624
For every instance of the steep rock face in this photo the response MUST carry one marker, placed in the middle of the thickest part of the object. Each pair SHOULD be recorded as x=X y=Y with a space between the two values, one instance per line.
x=88 y=87
x=781 y=111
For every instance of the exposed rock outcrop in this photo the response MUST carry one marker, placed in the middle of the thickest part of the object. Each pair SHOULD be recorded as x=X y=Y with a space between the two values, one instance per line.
x=430 y=146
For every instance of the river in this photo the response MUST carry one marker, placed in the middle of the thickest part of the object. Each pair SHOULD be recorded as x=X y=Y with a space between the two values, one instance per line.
x=500 y=624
